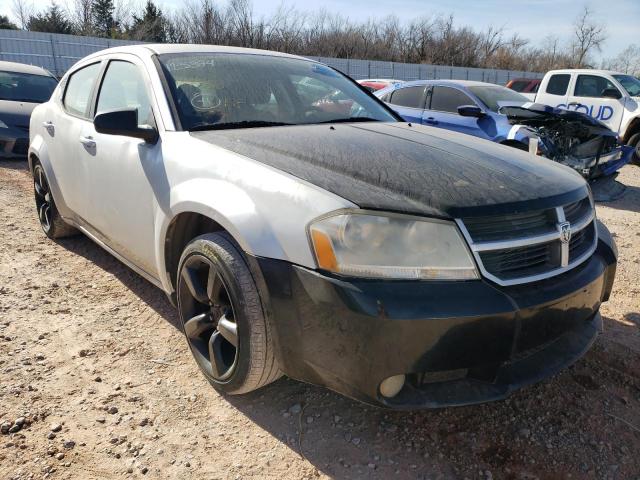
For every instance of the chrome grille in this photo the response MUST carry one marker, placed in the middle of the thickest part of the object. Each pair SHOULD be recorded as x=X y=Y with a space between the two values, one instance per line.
x=530 y=246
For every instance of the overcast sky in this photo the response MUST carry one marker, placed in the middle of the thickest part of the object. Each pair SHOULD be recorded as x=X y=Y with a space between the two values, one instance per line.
x=532 y=19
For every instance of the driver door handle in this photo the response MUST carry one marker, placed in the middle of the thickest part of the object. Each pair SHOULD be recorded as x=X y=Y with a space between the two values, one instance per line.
x=431 y=121
x=88 y=142
x=49 y=127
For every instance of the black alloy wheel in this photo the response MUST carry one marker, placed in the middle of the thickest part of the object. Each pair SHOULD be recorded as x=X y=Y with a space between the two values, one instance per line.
x=210 y=325
x=222 y=315
x=43 y=198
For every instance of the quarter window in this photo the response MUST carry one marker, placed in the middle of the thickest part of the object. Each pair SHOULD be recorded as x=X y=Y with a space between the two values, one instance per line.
x=447 y=99
x=123 y=88
x=592 y=86
x=558 y=84
x=412 y=97
x=79 y=88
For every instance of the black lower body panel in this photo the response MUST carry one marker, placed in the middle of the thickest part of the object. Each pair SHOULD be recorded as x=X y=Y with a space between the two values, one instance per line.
x=456 y=342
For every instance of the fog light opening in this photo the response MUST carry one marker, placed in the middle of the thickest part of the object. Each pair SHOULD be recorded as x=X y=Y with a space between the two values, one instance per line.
x=391 y=386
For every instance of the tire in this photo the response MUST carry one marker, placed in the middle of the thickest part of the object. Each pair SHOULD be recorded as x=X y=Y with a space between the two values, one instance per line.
x=50 y=220
x=634 y=142
x=219 y=305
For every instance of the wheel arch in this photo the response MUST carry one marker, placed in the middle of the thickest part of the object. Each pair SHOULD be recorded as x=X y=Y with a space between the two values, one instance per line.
x=632 y=129
x=181 y=230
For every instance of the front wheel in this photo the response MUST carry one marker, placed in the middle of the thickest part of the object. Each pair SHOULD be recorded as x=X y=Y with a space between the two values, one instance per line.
x=222 y=317
x=50 y=220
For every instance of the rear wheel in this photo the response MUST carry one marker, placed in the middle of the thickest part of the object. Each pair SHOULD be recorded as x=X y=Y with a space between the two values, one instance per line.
x=222 y=316
x=634 y=142
x=50 y=220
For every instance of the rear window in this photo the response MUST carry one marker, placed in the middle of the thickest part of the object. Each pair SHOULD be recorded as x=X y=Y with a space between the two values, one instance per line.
x=446 y=99
x=558 y=84
x=412 y=97
x=519 y=85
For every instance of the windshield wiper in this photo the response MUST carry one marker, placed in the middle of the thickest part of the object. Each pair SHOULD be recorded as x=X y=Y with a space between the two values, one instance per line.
x=351 y=120
x=232 y=125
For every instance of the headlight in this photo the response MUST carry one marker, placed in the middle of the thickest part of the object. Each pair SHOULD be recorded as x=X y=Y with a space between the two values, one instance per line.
x=3 y=125
x=391 y=246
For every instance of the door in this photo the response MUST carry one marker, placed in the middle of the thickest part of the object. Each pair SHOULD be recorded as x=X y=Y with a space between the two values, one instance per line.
x=408 y=102
x=124 y=170
x=63 y=125
x=442 y=111
x=588 y=98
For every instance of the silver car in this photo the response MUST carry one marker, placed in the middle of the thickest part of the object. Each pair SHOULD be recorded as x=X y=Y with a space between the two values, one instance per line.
x=300 y=227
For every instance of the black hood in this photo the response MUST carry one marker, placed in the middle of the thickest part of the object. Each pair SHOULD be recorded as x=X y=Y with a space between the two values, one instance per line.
x=412 y=169
x=16 y=114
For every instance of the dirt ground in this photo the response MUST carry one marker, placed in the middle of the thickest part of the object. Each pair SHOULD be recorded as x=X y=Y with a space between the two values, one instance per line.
x=96 y=381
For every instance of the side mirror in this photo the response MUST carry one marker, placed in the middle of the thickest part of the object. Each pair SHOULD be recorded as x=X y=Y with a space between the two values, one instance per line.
x=470 y=111
x=124 y=122
x=611 y=93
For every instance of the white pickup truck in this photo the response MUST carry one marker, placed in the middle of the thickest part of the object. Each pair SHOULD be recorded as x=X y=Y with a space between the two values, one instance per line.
x=611 y=97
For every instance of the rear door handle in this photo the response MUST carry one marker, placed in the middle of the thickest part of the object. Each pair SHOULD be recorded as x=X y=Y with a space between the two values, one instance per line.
x=49 y=127
x=431 y=121
x=88 y=142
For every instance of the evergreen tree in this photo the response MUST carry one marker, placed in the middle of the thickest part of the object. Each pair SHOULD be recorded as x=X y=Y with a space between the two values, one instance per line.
x=6 y=24
x=149 y=27
x=52 y=20
x=102 y=14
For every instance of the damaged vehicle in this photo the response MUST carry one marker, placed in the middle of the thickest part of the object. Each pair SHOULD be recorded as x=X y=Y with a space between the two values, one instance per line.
x=569 y=137
x=504 y=116
x=400 y=265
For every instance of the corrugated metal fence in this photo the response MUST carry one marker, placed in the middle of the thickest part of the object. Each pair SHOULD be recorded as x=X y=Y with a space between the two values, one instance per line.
x=57 y=52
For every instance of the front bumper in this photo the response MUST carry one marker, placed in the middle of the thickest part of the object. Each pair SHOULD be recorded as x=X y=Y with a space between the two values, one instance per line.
x=613 y=161
x=457 y=342
x=13 y=146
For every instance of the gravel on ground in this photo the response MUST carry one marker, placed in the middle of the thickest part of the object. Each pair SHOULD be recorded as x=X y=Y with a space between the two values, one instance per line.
x=97 y=382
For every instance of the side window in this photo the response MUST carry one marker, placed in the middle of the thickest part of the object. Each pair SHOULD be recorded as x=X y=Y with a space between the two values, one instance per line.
x=558 y=84
x=591 y=86
x=78 y=93
x=123 y=87
x=446 y=99
x=412 y=97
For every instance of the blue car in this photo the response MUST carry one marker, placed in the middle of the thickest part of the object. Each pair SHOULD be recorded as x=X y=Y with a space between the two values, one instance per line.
x=501 y=115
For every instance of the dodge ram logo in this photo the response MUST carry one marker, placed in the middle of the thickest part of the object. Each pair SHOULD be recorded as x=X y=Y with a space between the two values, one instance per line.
x=565 y=232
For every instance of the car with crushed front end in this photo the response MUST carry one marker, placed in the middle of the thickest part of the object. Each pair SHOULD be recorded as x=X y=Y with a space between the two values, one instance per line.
x=22 y=88
x=499 y=114
x=398 y=264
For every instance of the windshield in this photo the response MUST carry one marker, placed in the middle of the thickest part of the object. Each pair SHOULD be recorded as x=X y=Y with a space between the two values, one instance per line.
x=25 y=87
x=218 y=90
x=492 y=96
x=630 y=84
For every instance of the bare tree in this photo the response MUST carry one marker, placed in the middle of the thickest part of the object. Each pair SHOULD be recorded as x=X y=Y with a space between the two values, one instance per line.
x=628 y=61
x=80 y=14
x=589 y=35
x=22 y=10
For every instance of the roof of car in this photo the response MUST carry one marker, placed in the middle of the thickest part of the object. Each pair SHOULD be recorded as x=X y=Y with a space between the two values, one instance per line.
x=162 y=48
x=459 y=83
x=23 y=68
x=585 y=70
